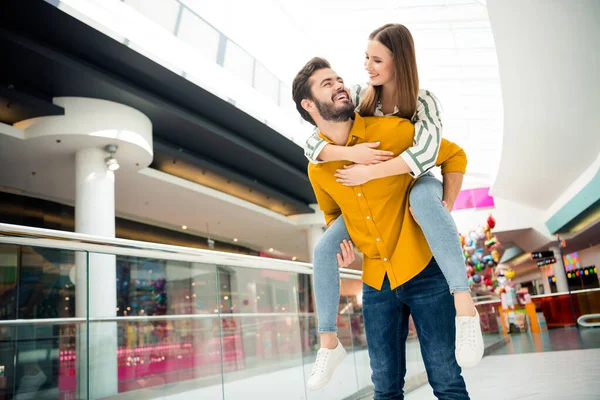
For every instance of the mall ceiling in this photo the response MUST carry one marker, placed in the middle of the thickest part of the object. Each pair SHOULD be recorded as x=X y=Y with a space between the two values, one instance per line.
x=47 y=53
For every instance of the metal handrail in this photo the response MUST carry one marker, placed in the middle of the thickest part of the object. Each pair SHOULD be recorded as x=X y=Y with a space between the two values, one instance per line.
x=539 y=296
x=38 y=237
x=147 y=318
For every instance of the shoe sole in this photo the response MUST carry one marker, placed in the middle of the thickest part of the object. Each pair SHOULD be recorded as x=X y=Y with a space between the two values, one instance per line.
x=470 y=364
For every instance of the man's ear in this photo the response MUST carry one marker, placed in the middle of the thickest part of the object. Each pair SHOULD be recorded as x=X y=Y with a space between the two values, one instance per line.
x=308 y=105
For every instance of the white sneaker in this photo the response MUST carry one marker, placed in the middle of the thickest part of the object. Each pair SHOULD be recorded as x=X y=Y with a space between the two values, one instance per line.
x=469 y=341
x=326 y=363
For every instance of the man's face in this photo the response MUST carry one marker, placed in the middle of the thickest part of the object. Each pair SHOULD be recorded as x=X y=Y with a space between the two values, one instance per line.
x=331 y=98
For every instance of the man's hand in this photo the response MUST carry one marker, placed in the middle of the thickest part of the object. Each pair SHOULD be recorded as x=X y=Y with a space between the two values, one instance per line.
x=452 y=183
x=447 y=205
x=366 y=153
x=347 y=256
x=353 y=175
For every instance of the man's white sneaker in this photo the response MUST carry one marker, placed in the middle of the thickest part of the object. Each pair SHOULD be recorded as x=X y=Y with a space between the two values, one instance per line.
x=325 y=365
x=469 y=341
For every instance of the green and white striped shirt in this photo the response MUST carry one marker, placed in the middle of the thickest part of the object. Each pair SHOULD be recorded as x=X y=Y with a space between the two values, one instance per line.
x=422 y=155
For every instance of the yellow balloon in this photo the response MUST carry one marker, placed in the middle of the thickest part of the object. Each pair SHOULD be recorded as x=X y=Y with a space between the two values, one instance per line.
x=495 y=255
x=510 y=273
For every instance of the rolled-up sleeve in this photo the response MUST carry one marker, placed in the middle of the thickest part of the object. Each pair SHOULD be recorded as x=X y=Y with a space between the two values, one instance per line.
x=428 y=135
x=451 y=157
x=313 y=146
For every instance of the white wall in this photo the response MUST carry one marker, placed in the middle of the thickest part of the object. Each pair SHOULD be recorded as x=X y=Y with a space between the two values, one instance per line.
x=549 y=58
x=509 y=216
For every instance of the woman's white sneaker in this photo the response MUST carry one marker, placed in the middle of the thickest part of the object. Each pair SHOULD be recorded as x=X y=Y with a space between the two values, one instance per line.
x=469 y=341
x=325 y=365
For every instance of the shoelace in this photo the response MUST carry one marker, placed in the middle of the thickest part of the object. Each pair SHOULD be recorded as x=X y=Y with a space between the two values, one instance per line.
x=322 y=357
x=467 y=332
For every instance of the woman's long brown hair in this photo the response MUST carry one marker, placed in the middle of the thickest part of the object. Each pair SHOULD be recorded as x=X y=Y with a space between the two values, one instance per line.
x=398 y=39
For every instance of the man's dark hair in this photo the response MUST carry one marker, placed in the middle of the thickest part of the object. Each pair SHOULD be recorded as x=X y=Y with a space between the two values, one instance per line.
x=301 y=87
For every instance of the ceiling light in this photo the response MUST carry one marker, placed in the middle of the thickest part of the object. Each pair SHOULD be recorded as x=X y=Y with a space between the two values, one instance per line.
x=235 y=240
x=111 y=161
x=271 y=250
x=184 y=227
x=294 y=258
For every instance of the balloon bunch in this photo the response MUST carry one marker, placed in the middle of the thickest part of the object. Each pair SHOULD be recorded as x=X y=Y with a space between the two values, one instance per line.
x=481 y=250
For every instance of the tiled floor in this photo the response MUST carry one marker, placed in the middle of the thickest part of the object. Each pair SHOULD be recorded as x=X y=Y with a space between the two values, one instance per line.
x=559 y=364
x=558 y=375
x=553 y=340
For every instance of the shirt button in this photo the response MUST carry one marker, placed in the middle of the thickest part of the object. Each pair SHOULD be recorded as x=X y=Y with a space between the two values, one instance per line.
x=359 y=195
x=378 y=239
x=385 y=259
x=368 y=217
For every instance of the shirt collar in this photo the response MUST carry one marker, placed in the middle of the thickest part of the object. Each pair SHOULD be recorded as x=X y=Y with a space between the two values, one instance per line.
x=358 y=130
x=379 y=110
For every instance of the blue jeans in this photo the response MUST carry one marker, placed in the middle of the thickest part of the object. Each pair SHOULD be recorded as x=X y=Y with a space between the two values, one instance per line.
x=437 y=225
x=427 y=299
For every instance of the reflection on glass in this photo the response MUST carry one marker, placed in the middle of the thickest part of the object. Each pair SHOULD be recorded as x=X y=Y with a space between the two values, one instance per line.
x=345 y=382
x=163 y=12
x=168 y=333
x=261 y=336
x=37 y=283
x=285 y=98
x=174 y=328
x=203 y=37
x=266 y=83
x=239 y=62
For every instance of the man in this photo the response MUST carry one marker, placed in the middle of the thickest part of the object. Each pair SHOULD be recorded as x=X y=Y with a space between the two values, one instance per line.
x=400 y=276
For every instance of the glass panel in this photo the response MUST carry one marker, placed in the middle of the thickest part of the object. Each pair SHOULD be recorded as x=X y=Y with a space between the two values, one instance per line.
x=344 y=382
x=199 y=34
x=352 y=288
x=266 y=83
x=163 y=12
x=163 y=336
x=38 y=283
x=262 y=355
x=285 y=98
x=239 y=62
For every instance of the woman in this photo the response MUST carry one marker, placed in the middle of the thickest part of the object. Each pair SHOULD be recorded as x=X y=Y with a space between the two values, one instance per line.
x=393 y=90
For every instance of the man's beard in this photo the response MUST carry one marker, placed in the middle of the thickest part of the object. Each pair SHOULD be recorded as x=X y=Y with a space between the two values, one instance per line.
x=329 y=113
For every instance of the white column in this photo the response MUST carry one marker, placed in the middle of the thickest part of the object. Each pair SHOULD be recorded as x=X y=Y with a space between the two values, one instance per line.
x=559 y=271
x=86 y=128
x=545 y=282
x=314 y=233
x=95 y=215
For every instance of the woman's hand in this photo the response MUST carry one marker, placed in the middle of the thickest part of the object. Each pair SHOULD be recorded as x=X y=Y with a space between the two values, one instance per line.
x=366 y=153
x=354 y=175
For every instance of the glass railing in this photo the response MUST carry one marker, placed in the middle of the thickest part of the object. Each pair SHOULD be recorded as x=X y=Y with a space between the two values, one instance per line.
x=174 y=34
x=84 y=317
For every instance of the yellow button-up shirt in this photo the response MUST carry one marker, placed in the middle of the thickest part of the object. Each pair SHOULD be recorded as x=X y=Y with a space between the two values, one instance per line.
x=377 y=213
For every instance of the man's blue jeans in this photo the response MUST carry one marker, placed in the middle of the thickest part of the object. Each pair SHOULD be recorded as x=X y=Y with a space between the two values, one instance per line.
x=426 y=297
